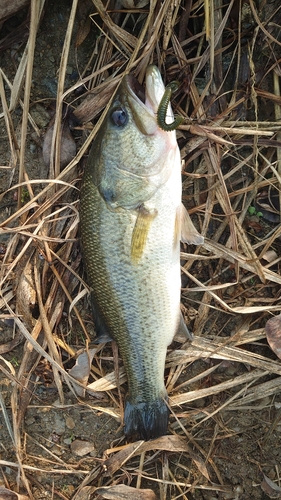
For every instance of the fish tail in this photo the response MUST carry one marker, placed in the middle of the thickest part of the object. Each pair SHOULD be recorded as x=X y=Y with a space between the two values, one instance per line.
x=146 y=420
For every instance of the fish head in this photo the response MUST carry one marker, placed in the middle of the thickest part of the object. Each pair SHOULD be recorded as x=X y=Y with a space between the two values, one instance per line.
x=132 y=156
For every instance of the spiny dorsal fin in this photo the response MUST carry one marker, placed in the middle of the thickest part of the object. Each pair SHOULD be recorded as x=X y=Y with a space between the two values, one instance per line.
x=140 y=232
x=184 y=226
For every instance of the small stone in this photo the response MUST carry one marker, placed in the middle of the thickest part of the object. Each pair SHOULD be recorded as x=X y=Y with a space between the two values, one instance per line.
x=40 y=115
x=59 y=425
x=32 y=148
x=44 y=409
x=29 y=420
x=69 y=422
x=81 y=448
x=57 y=450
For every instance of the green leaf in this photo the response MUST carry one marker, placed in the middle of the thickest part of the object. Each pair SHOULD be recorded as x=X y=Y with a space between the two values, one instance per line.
x=252 y=210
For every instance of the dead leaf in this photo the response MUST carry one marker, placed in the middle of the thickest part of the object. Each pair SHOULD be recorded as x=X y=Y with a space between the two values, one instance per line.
x=67 y=144
x=107 y=382
x=81 y=370
x=167 y=443
x=86 y=492
x=267 y=202
x=83 y=31
x=254 y=225
x=273 y=334
x=93 y=104
x=123 y=492
x=26 y=294
x=270 y=488
x=270 y=256
x=84 y=9
x=201 y=465
x=81 y=448
x=6 y=494
x=8 y=8
x=9 y=346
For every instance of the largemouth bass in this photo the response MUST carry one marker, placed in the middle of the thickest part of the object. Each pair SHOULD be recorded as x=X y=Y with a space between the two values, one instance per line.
x=131 y=223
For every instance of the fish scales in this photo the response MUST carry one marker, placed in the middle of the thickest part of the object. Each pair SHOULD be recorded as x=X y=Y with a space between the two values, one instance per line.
x=132 y=185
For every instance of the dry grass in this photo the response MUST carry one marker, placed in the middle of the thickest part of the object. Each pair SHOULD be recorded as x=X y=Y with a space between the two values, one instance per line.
x=228 y=66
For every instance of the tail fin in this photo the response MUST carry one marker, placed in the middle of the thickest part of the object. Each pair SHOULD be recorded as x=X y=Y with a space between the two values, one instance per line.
x=147 y=420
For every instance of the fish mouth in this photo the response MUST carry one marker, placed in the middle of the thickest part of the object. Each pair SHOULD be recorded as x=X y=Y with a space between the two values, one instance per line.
x=135 y=88
x=154 y=88
x=150 y=97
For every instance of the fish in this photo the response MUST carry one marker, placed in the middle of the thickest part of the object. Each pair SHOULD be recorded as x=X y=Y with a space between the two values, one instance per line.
x=131 y=223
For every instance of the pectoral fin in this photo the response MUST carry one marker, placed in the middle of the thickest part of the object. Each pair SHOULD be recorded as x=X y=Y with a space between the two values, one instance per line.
x=184 y=226
x=140 y=232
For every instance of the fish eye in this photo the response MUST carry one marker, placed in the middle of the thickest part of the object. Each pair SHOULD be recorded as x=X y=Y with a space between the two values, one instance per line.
x=119 y=117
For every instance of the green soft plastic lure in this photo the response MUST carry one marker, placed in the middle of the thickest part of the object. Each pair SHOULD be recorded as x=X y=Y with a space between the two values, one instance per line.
x=162 y=109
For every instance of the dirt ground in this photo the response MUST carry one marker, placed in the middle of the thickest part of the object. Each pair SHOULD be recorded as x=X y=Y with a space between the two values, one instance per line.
x=232 y=436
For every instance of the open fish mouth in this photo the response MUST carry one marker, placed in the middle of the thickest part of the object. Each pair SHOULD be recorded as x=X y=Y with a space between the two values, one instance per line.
x=135 y=88
x=151 y=95
x=144 y=101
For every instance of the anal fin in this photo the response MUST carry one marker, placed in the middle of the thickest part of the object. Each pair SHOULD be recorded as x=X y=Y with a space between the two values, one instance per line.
x=183 y=334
